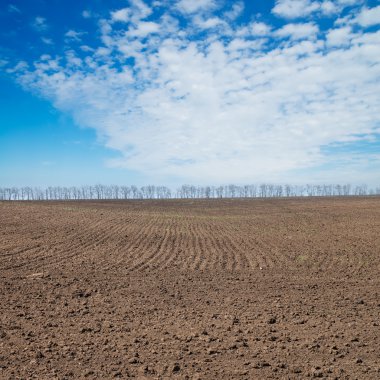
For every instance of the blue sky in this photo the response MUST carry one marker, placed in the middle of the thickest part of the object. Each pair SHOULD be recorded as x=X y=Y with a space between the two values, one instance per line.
x=200 y=91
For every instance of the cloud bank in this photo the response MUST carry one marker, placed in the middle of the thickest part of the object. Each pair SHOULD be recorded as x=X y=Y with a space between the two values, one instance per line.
x=187 y=93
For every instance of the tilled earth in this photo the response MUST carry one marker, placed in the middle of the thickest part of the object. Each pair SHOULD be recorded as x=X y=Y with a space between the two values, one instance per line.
x=217 y=289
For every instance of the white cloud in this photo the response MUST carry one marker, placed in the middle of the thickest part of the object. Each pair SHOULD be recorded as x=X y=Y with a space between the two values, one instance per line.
x=298 y=31
x=73 y=35
x=102 y=51
x=144 y=28
x=140 y=9
x=45 y=57
x=86 y=48
x=329 y=7
x=218 y=109
x=158 y=4
x=339 y=37
x=192 y=6
x=260 y=29
x=19 y=67
x=209 y=23
x=292 y=9
x=122 y=15
x=369 y=16
x=47 y=41
x=137 y=11
x=295 y=8
x=72 y=60
x=236 y=10
x=40 y=24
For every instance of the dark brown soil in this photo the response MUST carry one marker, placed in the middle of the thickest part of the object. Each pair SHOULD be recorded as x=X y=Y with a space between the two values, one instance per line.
x=218 y=289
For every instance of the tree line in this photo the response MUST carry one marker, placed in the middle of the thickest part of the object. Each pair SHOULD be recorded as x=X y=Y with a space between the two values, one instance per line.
x=115 y=192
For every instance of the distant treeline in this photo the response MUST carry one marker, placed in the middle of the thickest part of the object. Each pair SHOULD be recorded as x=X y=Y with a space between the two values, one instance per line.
x=185 y=191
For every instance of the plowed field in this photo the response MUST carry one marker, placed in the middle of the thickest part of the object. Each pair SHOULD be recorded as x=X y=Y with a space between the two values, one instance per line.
x=190 y=289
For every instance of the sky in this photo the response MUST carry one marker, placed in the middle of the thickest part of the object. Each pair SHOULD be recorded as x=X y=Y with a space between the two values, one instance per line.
x=189 y=91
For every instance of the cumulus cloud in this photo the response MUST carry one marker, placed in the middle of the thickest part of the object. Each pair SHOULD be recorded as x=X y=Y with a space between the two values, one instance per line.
x=328 y=7
x=209 y=23
x=298 y=31
x=192 y=6
x=252 y=103
x=122 y=15
x=339 y=37
x=292 y=9
x=137 y=11
x=260 y=29
x=236 y=10
x=144 y=28
x=369 y=17
x=140 y=10
x=295 y=8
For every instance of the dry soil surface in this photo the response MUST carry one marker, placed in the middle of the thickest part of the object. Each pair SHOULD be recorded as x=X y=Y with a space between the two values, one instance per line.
x=217 y=289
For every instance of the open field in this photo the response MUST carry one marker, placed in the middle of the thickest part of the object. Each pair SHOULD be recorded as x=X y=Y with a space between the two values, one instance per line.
x=191 y=289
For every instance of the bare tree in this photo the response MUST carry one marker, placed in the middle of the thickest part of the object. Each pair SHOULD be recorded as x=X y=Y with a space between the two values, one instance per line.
x=186 y=191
